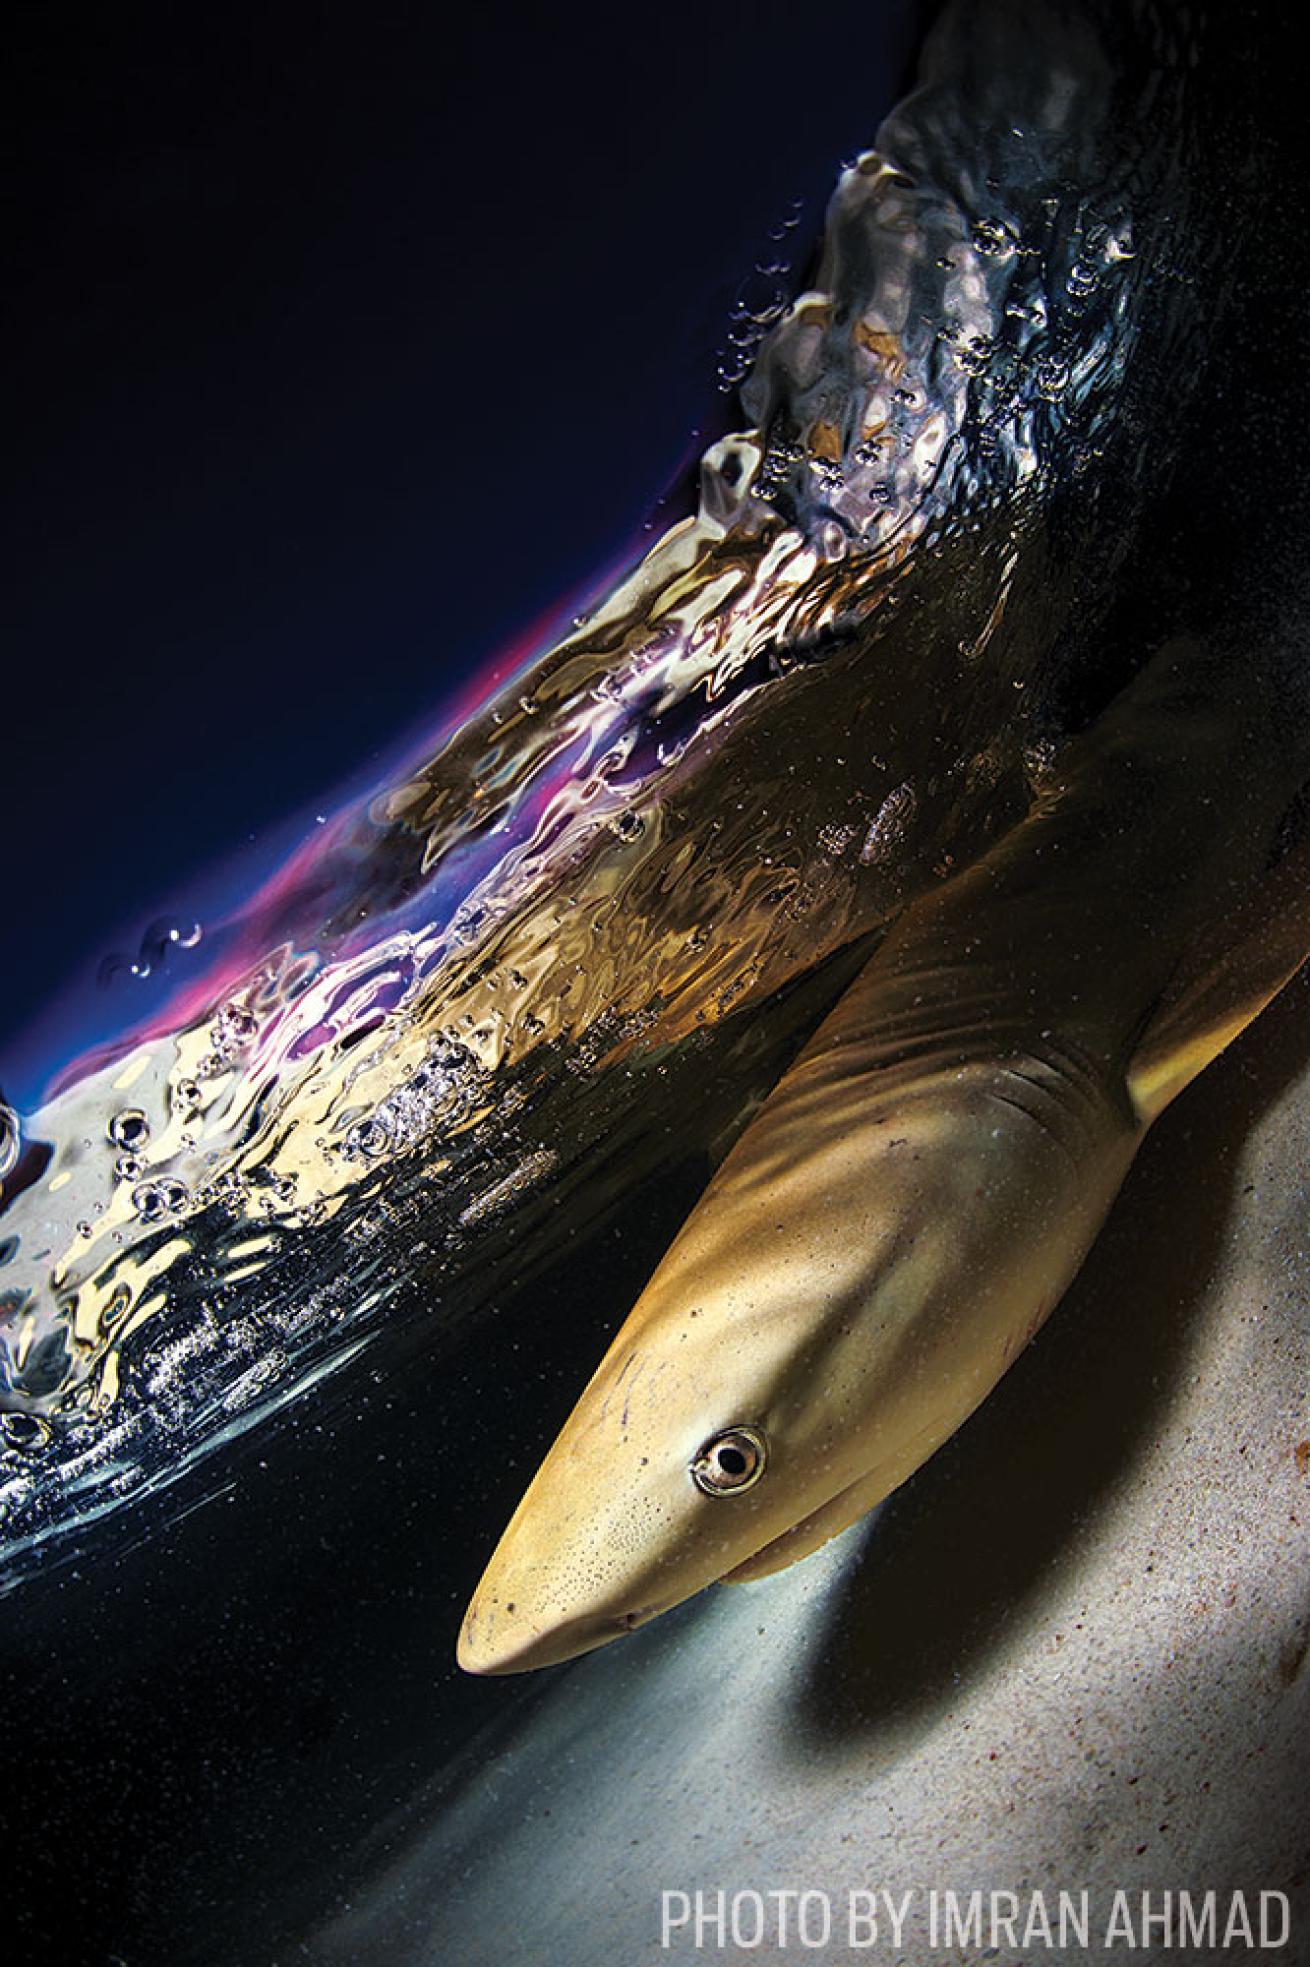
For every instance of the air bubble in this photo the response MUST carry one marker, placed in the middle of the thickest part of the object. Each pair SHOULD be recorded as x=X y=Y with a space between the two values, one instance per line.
x=994 y=239
x=369 y=1138
x=25 y=1431
x=129 y=1129
x=974 y=354
x=155 y=1200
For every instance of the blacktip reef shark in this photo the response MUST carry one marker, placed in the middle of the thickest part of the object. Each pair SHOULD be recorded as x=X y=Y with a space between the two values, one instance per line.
x=924 y=1182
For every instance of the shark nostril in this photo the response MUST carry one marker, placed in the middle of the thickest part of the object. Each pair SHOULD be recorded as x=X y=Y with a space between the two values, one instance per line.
x=730 y=1462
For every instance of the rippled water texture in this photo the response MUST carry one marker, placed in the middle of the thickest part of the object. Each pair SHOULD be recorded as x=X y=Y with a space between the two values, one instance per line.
x=576 y=942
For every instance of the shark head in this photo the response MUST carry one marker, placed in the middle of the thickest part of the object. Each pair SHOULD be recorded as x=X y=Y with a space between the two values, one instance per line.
x=707 y=1436
x=870 y=1257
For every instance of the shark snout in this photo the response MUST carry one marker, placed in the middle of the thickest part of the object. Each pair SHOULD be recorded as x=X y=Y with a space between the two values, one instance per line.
x=501 y=1634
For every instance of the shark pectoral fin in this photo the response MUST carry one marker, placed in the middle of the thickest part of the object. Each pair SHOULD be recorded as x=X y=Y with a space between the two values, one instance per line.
x=1225 y=983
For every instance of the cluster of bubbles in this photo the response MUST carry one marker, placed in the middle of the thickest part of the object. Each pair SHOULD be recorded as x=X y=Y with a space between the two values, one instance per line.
x=760 y=301
x=443 y=1088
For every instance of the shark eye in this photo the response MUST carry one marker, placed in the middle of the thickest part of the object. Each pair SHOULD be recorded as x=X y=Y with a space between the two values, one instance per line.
x=730 y=1462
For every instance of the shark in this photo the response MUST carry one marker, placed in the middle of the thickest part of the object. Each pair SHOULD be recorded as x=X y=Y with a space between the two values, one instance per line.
x=922 y=1185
